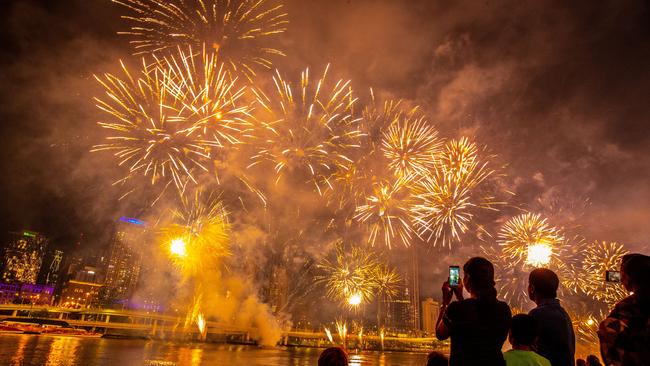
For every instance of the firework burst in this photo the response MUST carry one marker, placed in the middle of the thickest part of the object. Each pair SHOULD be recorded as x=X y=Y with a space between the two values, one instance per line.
x=410 y=144
x=308 y=128
x=387 y=212
x=602 y=256
x=150 y=136
x=530 y=239
x=198 y=235
x=233 y=29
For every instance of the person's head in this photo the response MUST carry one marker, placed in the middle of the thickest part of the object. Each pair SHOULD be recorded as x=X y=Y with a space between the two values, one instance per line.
x=542 y=284
x=593 y=361
x=581 y=362
x=437 y=359
x=478 y=278
x=333 y=356
x=635 y=272
x=523 y=330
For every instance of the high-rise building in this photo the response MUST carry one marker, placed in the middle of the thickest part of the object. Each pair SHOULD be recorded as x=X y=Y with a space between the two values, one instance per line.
x=81 y=291
x=124 y=262
x=278 y=288
x=430 y=311
x=54 y=268
x=23 y=257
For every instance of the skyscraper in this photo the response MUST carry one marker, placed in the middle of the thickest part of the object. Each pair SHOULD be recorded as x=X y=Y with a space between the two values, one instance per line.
x=430 y=311
x=124 y=262
x=23 y=257
x=54 y=268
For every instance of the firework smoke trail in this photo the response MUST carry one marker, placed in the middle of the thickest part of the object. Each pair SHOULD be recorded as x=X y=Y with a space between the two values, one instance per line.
x=350 y=277
x=208 y=95
x=198 y=237
x=308 y=128
x=530 y=239
x=233 y=29
x=602 y=256
x=149 y=135
x=387 y=212
x=410 y=144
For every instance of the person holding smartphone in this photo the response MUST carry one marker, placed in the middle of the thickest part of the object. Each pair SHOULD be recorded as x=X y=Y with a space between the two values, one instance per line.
x=478 y=326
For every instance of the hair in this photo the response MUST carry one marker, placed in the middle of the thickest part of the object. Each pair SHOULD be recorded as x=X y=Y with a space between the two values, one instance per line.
x=437 y=359
x=637 y=268
x=523 y=330
x=481 y=278
x=581 y=362
x=593 y=361
x=333 y=356
x=545 y=282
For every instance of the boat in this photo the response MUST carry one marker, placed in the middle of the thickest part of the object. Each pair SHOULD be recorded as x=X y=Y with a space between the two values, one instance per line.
x=43 y=326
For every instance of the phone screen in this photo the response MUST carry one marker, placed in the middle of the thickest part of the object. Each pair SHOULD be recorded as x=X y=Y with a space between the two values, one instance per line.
x=454 y=276
x=613 y=276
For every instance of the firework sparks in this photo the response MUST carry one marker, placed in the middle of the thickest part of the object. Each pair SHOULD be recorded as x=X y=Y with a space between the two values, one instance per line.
x=198 y=235
x=329 y=335
x=342 y=328
x=387 y=212
x=601 y=257
x=150 y=135
x=309 y=129
x=410 y=144
x=350 y=278
x=529 y=238
x=201 y=324
x=233 y=29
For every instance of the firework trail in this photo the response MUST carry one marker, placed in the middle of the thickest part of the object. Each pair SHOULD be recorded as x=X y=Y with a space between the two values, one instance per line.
x=410 y=144
x=530 y=239
x=350 y=277
x=207 y=95
x=306 y=129
x=329 y=335
x=198 y=235
x=602 y=256
x=446 y=199
x=233 y=29
x=149 y=136
x=387 y=212
x=376 y=118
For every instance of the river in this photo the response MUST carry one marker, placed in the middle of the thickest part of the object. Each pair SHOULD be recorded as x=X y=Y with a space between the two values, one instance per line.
x=68 y=351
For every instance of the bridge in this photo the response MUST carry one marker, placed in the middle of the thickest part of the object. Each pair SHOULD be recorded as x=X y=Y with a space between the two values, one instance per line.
x=144 y=324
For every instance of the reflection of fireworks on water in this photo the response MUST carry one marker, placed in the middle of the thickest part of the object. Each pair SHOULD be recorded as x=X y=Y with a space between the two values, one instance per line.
x=382 y=336
x=349 y=278
x=410 y=145
x=602 y=256
x=150 y=137
x=308 y=128
x=231 y=28
x=387 y=212
x=198 y=236
x=446 y=198
x=530 y=239
x=207 y=94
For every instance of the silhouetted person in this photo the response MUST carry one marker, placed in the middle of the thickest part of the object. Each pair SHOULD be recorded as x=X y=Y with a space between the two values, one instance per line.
x=478 y=326
x=555 y=337
x=333 y=356
x=625 y=334
x=593 y=361
x=437 y=359
x=581 y=362
x=522 y=336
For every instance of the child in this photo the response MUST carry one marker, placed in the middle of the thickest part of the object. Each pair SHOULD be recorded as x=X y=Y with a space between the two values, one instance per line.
x=522 y=337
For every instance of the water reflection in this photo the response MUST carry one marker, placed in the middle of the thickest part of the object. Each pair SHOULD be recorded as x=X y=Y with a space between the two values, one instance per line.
x=19 y=356
x=62 y=351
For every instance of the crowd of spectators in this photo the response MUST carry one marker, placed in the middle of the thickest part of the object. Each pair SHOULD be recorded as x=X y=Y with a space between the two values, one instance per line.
x=478 y=326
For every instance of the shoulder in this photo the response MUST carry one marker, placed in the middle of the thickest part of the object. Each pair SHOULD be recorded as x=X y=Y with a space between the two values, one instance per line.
x=543 y=361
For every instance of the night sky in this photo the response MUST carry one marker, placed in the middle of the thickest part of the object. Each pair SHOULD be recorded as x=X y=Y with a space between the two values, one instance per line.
x=560 y=91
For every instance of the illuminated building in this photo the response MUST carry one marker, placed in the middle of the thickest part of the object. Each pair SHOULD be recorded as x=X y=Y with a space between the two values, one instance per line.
x=26 y=293
x=82 y=291
x=124 y=262
x=53 y=270
x=403 y=311
x=23 y=257
x=430 y=311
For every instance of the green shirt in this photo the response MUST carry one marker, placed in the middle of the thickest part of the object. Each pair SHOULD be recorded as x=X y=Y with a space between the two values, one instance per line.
x=524 y=358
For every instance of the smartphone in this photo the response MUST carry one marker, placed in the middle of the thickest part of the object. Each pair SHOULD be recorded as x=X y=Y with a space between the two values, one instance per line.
x=454 y=276
x=612 y=276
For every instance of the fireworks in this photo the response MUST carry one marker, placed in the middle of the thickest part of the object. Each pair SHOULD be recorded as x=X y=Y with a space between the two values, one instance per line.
x=342 y=328
x=377 y=118
x=198 y=235
x=233 y=29
x=307 y=129
x=387 y=212
x=150 y=135
x=387 y=281
x=410 y=144
x=329 y=335
x=529 y=238
x=446 y=198
x=207 y=95
x=201 y=324
x=601 y=257
x=350 y=278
